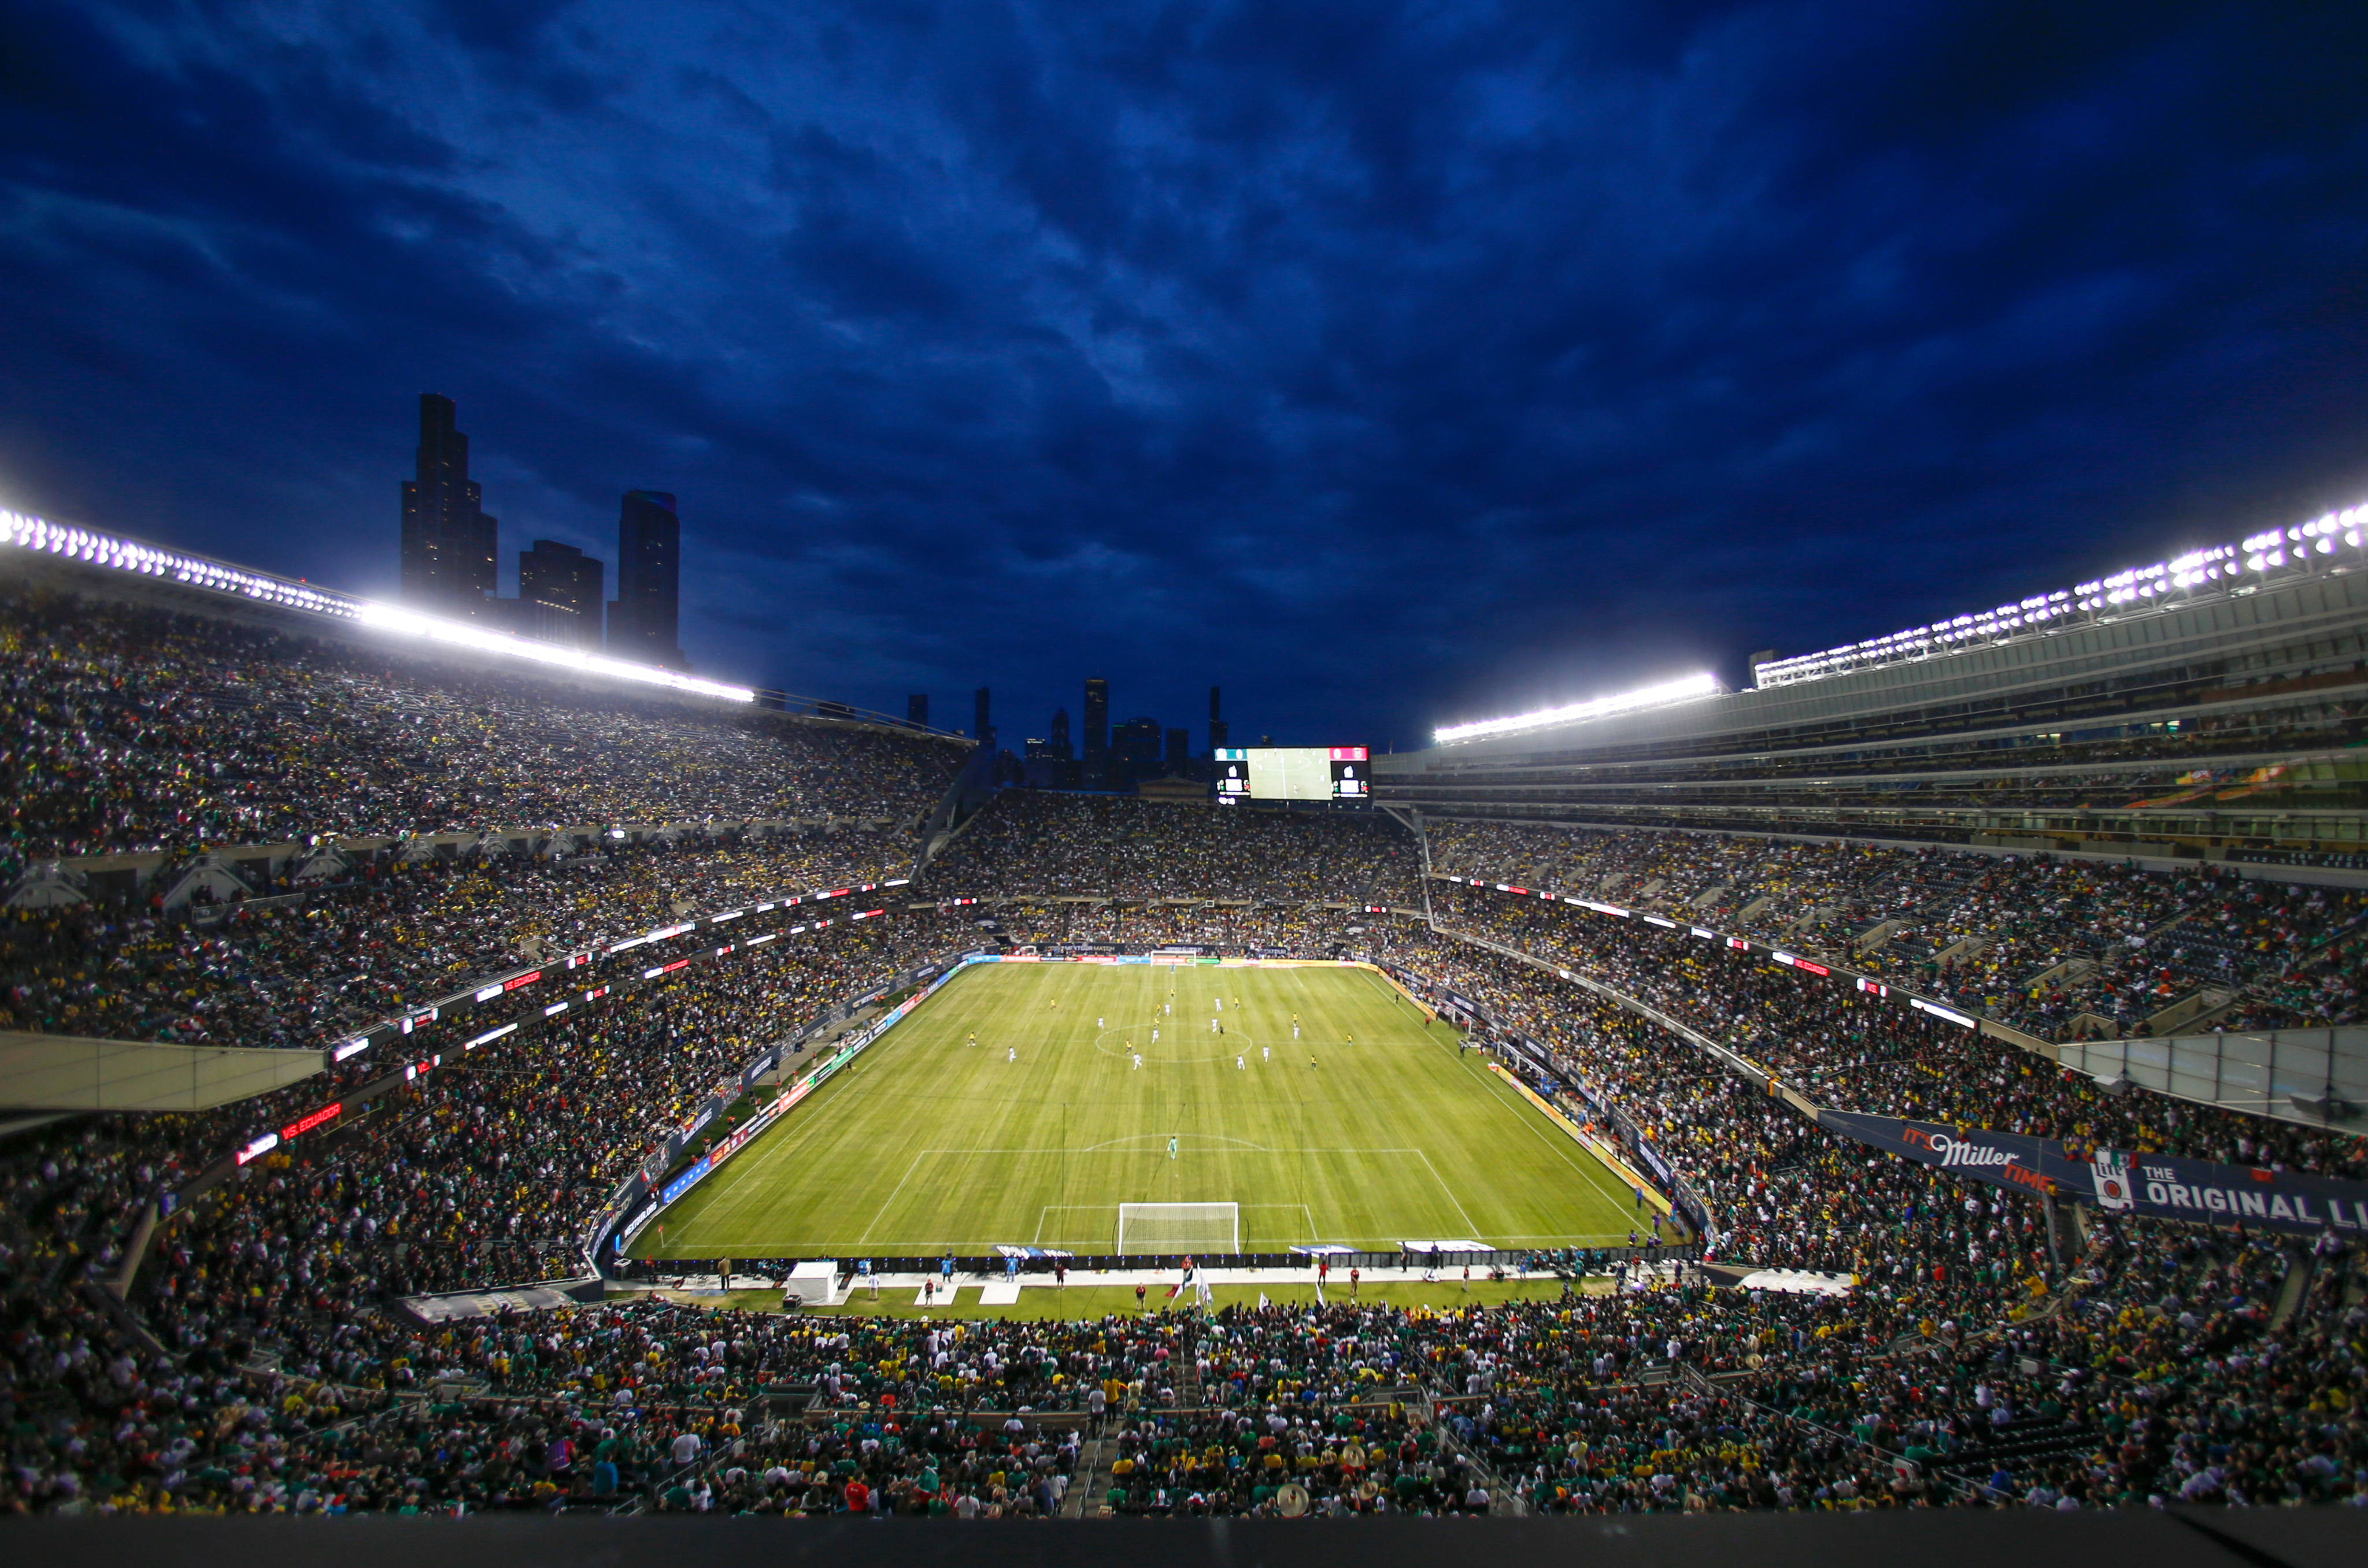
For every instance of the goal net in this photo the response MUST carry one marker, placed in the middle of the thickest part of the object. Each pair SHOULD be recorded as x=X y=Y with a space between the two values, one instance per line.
x=1153 y=1229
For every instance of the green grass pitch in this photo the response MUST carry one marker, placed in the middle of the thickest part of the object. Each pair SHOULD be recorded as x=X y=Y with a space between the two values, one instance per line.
x=927 y=1142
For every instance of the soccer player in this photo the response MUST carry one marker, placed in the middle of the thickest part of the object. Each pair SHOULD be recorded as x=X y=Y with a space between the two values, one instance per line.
x=1099 y=1025
x=1294 y=1031
x=1155 y=1037
x=1311 y=1060
x=1266 y=1053
x=1138 y=1062
x=973 y=1039
x=1213 y=1025
x=1168 y=1008
x=1241 y=1065
x=1171 y=1146
x=1015 y=1054
x=1352 y=1039
x=1221 y=1004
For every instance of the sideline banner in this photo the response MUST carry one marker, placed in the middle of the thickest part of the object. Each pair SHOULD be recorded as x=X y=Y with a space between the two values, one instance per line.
x=2152 y=1187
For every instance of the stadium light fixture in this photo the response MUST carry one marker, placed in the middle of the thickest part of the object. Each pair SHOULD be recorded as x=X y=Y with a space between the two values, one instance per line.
x=1685 y=688
x=39 y=536
x=436 y=629
x=2219 y=569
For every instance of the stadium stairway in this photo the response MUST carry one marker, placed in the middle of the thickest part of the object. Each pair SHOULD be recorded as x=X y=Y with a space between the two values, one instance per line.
x=1082 y=1500
x=1188 y=1370
x=2293 y=1290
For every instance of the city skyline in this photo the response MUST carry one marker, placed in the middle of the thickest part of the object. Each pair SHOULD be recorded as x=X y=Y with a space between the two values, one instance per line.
x=450 y=551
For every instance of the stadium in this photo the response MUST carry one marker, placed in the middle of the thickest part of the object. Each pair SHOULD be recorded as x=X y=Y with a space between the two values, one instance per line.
x=444 y=1077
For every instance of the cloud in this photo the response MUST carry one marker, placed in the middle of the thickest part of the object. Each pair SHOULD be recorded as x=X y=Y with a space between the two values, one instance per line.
x=1385 y=364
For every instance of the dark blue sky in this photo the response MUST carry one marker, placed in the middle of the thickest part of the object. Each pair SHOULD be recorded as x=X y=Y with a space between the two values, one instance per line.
x=1390 y=365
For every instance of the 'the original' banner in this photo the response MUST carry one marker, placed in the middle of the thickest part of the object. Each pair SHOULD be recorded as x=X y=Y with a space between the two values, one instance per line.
x=2153 y=1187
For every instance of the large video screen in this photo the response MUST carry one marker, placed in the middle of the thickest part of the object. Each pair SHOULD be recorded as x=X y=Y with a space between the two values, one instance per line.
x=1294 y=773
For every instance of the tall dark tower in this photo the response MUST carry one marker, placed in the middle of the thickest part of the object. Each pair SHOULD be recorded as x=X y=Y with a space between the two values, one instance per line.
x=1059 y=740
x=1096 y=753
x=916 y=710
x=1217 y=725
x=560 y=593
x=985 y=730
x=646 y=622
x=447 y=539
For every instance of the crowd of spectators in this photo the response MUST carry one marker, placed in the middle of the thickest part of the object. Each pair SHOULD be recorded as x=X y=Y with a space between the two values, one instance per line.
x=487 y=1171
x=2061 y=947
x=1232 y=930
x=260 y=1360
x=391 y=935
x=138 y=730
x=2151 y=1371
x=1856 y=1050
x=1041 y=842
x=2160 y=1372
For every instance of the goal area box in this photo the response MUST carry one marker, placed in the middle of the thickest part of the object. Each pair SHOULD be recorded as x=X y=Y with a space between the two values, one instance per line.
x=1153 y=1230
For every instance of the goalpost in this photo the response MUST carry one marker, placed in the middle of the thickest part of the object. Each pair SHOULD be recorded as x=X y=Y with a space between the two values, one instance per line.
x=1154 y=1228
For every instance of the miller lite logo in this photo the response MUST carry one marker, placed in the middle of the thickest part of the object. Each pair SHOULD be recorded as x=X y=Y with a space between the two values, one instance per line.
x=2111 y=1168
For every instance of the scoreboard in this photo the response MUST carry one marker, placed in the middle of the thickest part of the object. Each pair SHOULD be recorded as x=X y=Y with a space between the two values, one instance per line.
x=1294 y=773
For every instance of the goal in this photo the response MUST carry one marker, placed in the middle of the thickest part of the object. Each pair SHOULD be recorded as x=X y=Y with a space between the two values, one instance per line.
x=1155 y=1228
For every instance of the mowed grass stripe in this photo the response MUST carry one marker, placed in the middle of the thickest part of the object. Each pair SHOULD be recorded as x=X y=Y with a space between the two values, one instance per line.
x=927 y=1142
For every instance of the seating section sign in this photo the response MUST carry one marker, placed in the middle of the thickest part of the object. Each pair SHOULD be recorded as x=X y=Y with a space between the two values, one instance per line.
x=2151 y=1187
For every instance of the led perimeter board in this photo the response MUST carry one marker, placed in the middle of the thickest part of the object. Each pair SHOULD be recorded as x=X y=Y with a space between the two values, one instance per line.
x=1294 y=773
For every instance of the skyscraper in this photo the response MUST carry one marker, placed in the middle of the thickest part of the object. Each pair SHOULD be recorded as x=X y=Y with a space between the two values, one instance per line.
x=1179 y=752
x=1097 y=744
x=1217 y=725
x=1059 y=738
x=1134 y=752
x=448 y=538
x=916 y=709
x=562 y=592
x=646 y=622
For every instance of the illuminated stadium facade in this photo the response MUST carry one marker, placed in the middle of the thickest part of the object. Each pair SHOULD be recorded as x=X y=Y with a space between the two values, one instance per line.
x=2200 y=708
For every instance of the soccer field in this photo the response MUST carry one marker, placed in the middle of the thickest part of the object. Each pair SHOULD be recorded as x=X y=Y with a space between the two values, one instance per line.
x=1367 y=1129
